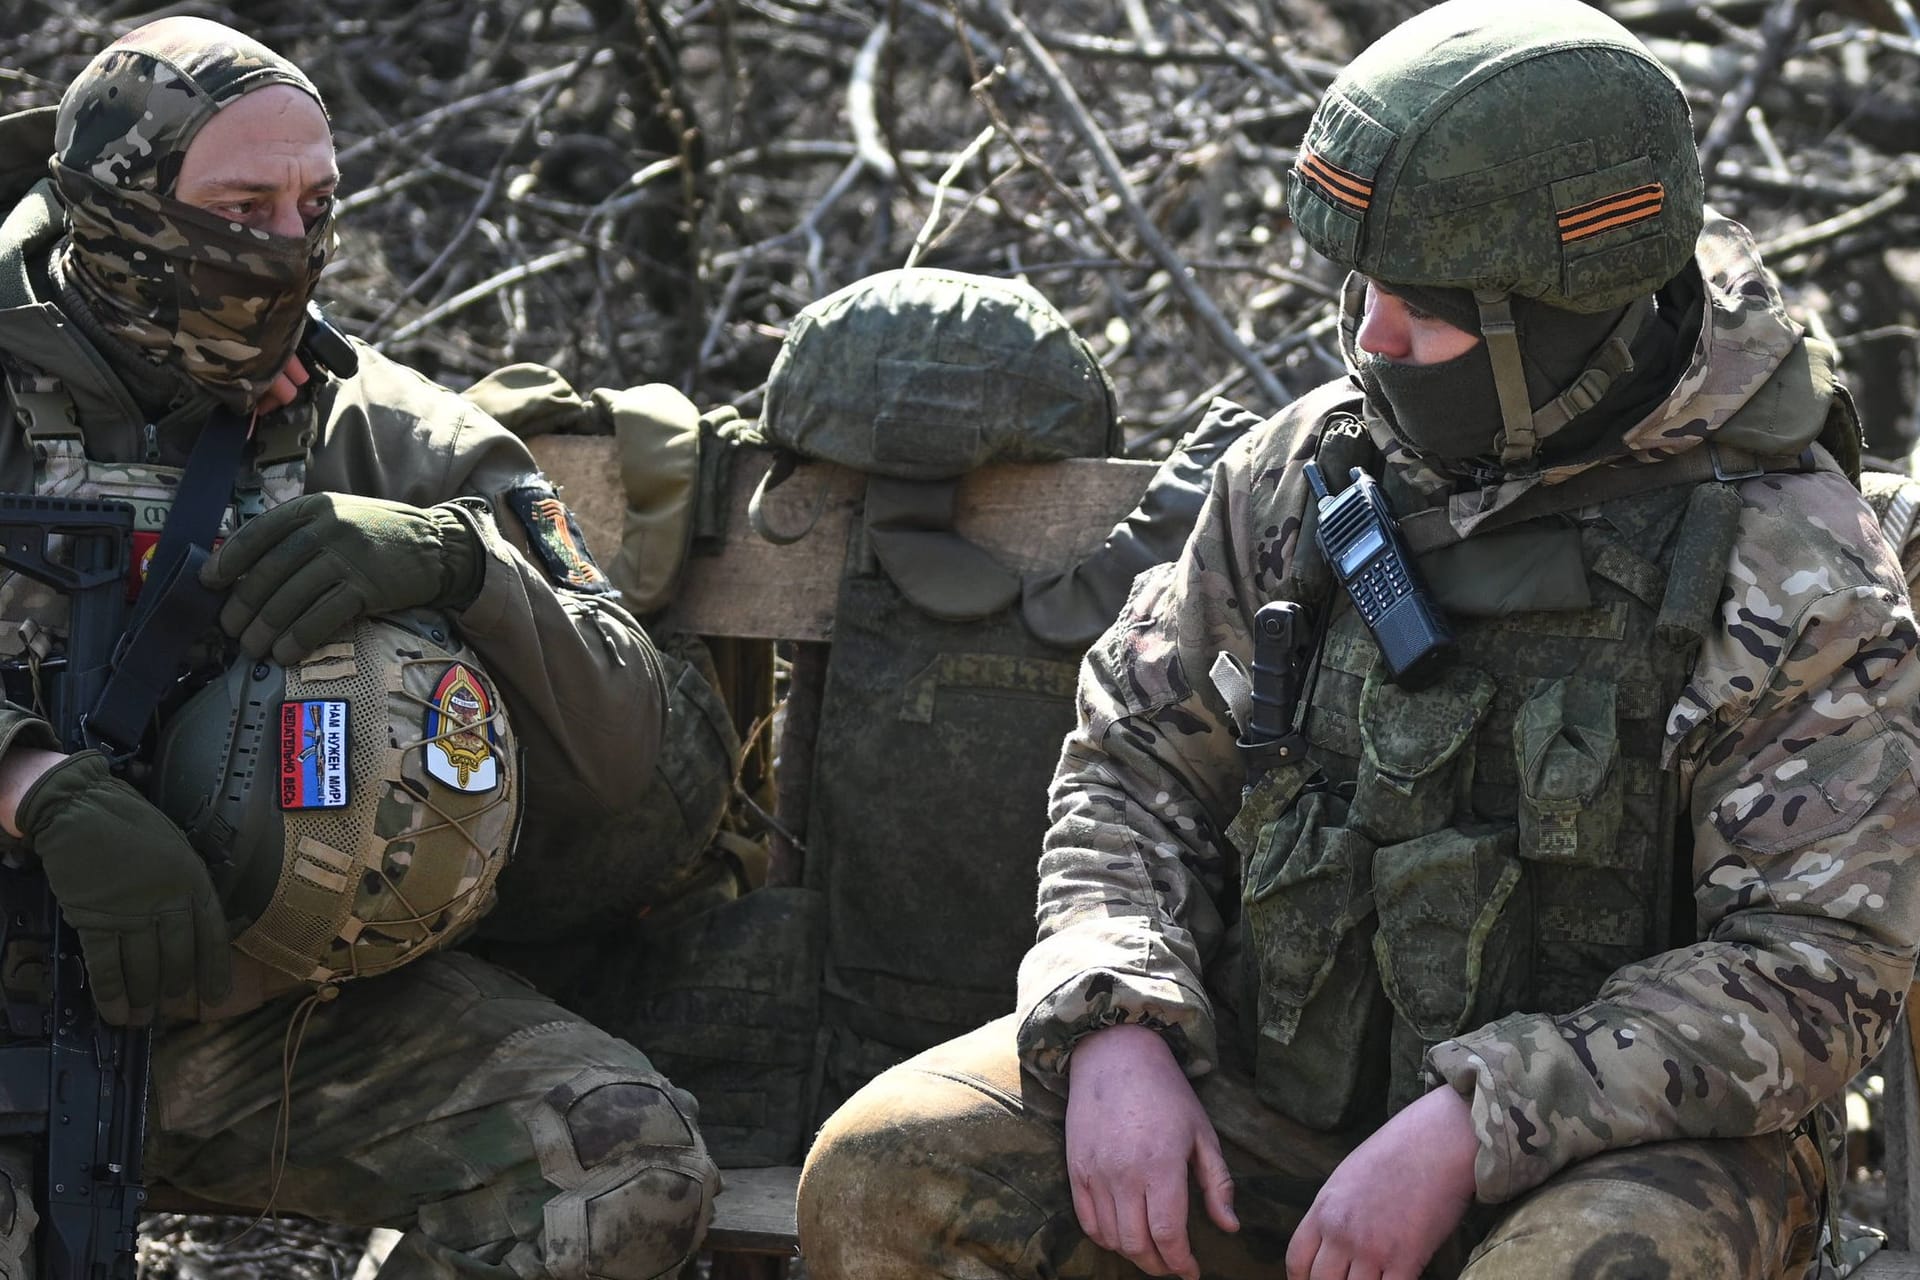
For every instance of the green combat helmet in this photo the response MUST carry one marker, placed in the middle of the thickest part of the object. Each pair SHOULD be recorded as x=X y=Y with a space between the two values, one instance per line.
x=916 y=377
x=924 y=374
x=1511 y=150
x=355 y=808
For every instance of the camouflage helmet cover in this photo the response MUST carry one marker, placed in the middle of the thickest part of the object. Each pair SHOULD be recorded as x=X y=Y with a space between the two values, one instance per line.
x=1531 y=149
x=925 y=374
x=355 y=808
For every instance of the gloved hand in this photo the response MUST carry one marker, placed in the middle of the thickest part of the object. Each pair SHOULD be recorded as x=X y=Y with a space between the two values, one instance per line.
x=131 y=886
x=302 y=572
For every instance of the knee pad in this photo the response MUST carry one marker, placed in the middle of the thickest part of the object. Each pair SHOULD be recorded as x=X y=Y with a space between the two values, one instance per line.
x=636 y=1186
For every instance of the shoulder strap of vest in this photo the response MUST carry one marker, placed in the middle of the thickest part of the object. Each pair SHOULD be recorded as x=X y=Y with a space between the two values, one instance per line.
x=1430 y=530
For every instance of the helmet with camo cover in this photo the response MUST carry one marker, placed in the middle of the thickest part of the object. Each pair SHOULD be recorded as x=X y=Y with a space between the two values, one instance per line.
x=925 y=374
x=355 y=808
x=1534 y=151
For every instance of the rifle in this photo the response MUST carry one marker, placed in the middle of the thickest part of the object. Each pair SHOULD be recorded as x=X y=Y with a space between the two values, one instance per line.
x=65 y=1075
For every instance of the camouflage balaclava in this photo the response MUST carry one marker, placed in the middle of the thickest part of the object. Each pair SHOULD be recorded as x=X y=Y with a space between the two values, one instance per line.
x=221 y=301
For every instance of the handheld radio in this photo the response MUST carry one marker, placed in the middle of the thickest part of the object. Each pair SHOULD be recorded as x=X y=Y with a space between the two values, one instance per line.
x=1357 y=531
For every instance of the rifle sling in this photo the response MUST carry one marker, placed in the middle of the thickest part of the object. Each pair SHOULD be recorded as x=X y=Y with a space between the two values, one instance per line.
x=174 y=609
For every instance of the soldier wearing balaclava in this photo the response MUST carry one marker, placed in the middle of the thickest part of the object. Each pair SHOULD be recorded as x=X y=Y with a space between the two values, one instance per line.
x=1546 y=958
x=186 y=291
x=416 y=656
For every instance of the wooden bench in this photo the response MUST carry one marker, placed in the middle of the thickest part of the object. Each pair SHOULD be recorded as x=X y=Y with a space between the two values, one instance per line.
x=1031 y=518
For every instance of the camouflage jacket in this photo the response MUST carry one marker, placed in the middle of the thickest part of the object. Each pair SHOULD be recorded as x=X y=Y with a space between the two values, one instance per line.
x=1806 y=929
x=579 y=676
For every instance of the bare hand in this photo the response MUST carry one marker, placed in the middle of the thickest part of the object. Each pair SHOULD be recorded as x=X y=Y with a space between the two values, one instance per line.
x=1134 y=1128
x=285 y=386
x=1392 y=1202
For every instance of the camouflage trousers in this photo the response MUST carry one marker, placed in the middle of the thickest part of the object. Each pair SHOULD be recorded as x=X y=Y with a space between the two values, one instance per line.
x=504 y=1136
x=953 y=1165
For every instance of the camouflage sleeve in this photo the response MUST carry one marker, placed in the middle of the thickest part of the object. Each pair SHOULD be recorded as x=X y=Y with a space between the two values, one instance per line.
x=1798 y=754
x=579 y=676
x=1135 y=862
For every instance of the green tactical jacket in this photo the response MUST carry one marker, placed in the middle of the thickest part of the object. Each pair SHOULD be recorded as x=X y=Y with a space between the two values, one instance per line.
x=581 y=680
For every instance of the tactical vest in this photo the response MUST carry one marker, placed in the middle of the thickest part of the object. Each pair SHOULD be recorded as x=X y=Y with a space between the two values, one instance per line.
x=1502 y=840
x=33 y=616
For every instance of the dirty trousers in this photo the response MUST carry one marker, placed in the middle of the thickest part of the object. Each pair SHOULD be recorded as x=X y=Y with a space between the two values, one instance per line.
x=953 y=1165
x=504 y=1136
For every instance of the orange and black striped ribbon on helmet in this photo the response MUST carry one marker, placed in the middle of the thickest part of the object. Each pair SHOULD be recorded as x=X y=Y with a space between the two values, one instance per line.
x=1622 y=209
x=1342 y=187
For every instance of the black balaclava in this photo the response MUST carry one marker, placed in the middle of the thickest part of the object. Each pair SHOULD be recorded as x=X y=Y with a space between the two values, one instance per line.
x=1449 y=413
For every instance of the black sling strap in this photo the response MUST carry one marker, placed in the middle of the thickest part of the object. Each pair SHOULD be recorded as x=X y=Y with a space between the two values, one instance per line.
x=174 y=609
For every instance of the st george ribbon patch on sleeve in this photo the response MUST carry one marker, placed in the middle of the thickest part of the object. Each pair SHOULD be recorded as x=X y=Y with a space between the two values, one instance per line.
x=462 y=749
x=555 y=537
x=313 y=754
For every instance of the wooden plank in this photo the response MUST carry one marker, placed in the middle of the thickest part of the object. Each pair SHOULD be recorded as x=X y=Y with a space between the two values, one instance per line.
x=754 y=1212
x=1029 y=517
x=1890 y=1265
x=758 y=589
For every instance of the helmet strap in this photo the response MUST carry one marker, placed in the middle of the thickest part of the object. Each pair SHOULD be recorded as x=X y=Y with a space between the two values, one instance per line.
x=1518 y=441
x=1611 y=362
x=1522 y=428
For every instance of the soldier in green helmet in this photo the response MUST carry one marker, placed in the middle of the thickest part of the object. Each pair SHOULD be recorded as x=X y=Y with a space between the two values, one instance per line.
x=1545 y=965
x=415 y=655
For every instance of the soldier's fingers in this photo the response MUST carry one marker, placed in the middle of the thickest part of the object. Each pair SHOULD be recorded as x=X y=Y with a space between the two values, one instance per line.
x=261 y=588
x=288 y=580
x=1167 y=1222
x=1303 y=1248
x=1083 y=1202
x=244 y=547
x=1134 y=1238
x=325 y=619
x=214 y=976
x=294 y=599
x=104 y=970
x=1333 y=1262
x=174 y=944
x=1105 y=1232
x=1216 y=1180
x=140 y=970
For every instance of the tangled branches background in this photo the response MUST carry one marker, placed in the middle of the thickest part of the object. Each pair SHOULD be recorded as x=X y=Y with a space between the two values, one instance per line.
x=641 y=190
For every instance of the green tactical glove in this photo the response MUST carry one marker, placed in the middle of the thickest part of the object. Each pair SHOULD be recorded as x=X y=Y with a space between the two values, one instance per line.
x=131 y=886
x=303 y=572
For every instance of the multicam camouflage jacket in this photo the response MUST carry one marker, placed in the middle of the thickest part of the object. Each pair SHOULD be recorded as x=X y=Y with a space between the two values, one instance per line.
x=578 y=674
x=1805 y=910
